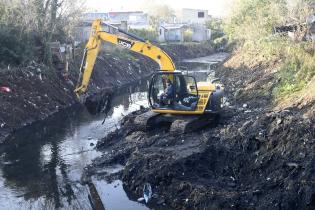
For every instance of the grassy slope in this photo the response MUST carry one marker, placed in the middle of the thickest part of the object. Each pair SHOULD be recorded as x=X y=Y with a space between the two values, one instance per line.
x=281 y=76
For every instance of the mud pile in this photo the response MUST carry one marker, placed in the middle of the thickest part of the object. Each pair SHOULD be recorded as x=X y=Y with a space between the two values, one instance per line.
x=35 y=94
x=258 y=157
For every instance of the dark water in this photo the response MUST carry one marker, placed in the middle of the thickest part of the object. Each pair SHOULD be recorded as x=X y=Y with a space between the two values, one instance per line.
x=43 y=167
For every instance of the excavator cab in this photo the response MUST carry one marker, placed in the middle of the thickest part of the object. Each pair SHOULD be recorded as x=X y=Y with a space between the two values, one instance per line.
x=173 y=91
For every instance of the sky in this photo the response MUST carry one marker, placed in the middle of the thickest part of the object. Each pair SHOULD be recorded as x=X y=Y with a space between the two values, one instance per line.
x=216 y=8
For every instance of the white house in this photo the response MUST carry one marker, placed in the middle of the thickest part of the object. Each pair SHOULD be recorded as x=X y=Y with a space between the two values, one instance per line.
x=200 y=33
x=194 y=16
x=171 y=33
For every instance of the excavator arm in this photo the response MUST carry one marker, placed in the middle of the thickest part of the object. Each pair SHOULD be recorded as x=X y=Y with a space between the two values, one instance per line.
x=133 y=43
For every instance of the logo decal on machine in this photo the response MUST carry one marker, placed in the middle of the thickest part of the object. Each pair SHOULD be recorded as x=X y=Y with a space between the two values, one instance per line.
x=125 y=43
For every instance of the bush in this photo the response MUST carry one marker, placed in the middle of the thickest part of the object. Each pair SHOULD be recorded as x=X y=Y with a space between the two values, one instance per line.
x=297 y=70
x=254 y=19
x=188 y=35
x=147 y=34
x=14 y=48
x=216 y=26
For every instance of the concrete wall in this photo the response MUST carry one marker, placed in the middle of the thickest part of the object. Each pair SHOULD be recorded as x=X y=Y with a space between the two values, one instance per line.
x=161 y=32
x=174 y=35
x=200 y=33
x=170 y=34
x=198 y=16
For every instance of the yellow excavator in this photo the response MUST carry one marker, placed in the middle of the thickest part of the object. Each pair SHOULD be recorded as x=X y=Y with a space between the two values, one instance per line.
x=174 y=98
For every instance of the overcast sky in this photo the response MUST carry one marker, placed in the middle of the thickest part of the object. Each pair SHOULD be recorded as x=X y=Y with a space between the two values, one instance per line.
x=215 y=7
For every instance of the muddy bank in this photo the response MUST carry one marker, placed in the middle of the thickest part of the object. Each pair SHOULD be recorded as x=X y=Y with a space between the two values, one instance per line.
x=38 y=92
x=259 y=156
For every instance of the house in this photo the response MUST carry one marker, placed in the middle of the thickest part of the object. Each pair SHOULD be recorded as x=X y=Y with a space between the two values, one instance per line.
x=91 y=16
x=83 y=30
x=194 y=16
x=135 y=19
x=122 y=20
x=200 y=33
x=171 y=32
x=195 y=19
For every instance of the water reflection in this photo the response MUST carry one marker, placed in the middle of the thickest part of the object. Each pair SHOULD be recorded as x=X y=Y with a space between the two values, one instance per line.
x=41 y=167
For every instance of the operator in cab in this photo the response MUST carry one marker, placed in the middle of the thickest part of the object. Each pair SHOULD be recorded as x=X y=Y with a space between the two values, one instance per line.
x=168 y=92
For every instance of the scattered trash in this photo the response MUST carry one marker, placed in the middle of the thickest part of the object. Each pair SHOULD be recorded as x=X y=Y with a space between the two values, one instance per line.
x=4 y=89
x=69 y=82
x=295 y=165
x=8 y=162
x=279 y=121
x=89 y=138
x=245 y=105
x=140 y=199
x=155 y=196
x=160 y=201
x=147 y=192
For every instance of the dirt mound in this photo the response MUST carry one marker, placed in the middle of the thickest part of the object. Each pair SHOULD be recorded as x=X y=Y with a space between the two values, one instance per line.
x=267 y=162
x=35 y=94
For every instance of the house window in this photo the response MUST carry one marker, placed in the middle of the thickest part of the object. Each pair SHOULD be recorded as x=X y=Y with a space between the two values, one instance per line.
x=201 y=14
x=160 y=31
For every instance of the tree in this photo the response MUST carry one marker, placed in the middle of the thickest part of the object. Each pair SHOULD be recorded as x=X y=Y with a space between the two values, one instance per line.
x=255 y=19
x=216 y=26
x=40 y=21
x=160 y=14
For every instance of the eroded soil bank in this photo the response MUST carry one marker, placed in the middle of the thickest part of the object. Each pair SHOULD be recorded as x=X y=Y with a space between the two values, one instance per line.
x=38 y=92
x=259 y=156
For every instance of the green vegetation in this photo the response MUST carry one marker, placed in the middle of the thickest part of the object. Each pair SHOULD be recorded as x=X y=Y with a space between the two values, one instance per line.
x=188 y=35
x=216 y=26
x=28 y=27
x=250 y=26
x=296 y=71
x=147 y=34
x=159 y=13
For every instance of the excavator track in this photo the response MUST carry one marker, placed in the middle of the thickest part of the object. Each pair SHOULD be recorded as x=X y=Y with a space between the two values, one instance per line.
x=193 y=123
x=178 y=124
x=146 y=121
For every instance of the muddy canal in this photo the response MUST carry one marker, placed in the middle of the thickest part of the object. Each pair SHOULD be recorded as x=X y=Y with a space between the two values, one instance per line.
x=42 y=165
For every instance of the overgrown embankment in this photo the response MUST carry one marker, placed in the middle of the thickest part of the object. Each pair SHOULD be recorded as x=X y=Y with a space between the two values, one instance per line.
x=39 y=91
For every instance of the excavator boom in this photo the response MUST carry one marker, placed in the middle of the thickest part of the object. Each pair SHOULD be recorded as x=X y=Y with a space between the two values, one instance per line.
x=136 y=44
